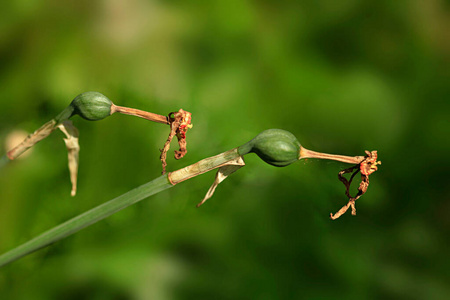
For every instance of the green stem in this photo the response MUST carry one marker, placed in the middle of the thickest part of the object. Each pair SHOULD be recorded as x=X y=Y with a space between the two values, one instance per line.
x=66 y=114
x=88 y=218
x=106 y=209
x=155 y=186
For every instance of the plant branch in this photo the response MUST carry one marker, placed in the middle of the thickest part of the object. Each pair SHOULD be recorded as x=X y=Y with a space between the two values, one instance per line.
x=140 y=113
x=274 y=146
x=88 y=218
x=305 y=153
x=108 y=208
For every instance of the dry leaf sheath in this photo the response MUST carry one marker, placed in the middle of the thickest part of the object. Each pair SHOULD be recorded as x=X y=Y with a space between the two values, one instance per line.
x=73 y=149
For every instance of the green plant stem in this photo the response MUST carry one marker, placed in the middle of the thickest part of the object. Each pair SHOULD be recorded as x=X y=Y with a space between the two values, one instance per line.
x=66 y=114
x=108 y=208
x=153 y=187
x=88 y=218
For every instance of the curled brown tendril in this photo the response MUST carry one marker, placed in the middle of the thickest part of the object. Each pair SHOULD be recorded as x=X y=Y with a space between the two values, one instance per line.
x=366 y=167
x=179 y=123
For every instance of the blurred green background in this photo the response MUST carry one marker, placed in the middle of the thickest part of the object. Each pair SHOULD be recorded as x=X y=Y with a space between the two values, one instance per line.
x=343 y=76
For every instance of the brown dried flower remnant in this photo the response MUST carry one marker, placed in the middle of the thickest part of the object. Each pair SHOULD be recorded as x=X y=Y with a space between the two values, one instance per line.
x=366 y=167
x=73 y=149
x=179 y=122
x=94 y=106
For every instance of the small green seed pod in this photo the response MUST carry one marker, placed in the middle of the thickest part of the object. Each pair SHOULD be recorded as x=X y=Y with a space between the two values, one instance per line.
x=276 y=147
x=92 y=106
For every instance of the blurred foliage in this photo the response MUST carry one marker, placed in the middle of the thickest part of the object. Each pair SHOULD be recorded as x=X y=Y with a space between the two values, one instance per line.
x=343 y=76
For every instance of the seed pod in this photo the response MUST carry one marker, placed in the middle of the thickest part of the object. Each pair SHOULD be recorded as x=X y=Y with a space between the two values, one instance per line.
x=92 y=106
x=276 y=147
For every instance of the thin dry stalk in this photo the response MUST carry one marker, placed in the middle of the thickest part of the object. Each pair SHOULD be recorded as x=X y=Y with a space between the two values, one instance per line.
x=140 y=113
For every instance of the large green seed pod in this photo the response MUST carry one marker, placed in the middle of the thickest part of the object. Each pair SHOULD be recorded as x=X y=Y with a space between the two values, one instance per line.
x=276 y=147
x=92 y=106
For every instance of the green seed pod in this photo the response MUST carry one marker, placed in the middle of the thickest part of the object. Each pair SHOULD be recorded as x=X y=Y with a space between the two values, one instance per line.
x=276 y=147
x=92 y=106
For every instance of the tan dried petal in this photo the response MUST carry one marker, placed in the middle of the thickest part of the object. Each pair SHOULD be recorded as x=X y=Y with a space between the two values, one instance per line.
x=223 y=172
x=73 y=150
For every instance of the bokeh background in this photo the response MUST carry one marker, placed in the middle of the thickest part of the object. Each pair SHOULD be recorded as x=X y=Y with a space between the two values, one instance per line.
x=343 y=76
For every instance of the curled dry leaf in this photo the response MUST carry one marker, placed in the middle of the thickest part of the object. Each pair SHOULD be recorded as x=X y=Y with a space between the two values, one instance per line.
x=224 y=171
x=73 y=150
x=368 y=166
x=179 y=122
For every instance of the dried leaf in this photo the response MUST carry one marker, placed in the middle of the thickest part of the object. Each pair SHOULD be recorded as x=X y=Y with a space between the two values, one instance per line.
x=223 y=172
x=73 y=149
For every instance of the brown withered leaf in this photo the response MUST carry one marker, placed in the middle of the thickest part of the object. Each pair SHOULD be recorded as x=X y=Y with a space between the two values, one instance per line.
x=224 y=171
